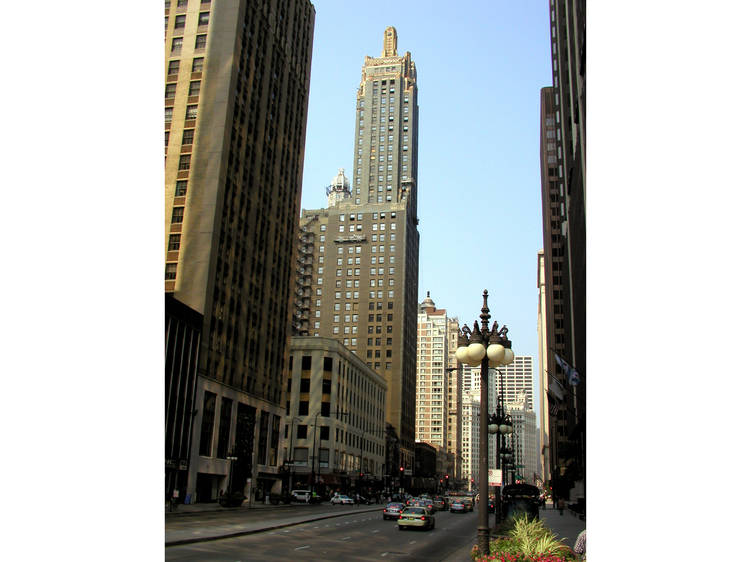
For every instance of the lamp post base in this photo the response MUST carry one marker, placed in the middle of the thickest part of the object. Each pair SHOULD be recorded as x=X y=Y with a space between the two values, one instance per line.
x=483 y=540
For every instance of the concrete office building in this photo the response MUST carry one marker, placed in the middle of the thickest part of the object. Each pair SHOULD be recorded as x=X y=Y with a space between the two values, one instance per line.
x=236 y=94
x=541 y=327
x=516 y=378
x=335 y=417
x=524 y=439
x=360 y=255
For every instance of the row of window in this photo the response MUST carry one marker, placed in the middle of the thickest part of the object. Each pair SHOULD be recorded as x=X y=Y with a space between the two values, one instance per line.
x=174 y=66
x=191 y=113
x=179 y=20
x=182 y=3
x=170 y=90
x=200 y=44
x=187 y=137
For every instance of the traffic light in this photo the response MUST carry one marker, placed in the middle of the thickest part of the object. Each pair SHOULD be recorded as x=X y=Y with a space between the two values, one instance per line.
x=401 y=469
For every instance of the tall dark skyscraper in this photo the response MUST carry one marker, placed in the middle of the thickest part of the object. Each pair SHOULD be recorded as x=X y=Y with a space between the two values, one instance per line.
x=236 y=94
x=563 y=166
x=359 y=258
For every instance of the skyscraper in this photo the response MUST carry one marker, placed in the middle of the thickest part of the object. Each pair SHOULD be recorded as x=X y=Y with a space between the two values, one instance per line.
x=359 y=257
x=237 y=83
x=564 y=211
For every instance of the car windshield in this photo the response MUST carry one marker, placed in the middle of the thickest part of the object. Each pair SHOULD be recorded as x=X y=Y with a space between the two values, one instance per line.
x=396 y=505
x=415 y=510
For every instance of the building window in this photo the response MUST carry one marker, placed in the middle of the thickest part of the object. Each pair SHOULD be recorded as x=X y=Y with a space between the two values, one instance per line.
x=304 y=408
x=203 y=18
x=207 y=425
x=177 y=214
x=187 y=136
x=301 y=432
x=200 y=42
x=197 y=64
x=176 y=45
x=174 y=242
x=191 y=112
x=174 y=67
x=171 y=271
x=184 y=162
x=195 y=88
x=180 y=188
x=166 y=138
x=170 y=91
x=167 y=114
x=179 y=22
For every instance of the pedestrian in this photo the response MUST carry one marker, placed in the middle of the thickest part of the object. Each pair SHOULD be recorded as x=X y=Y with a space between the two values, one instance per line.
x=580 y=546
x=561 y=505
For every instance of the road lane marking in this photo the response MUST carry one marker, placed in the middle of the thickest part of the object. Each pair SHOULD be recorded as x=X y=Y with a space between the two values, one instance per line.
x=301 y=547
x=412 y=542
x=376 y=531
x=345 y=538
x=384 y=554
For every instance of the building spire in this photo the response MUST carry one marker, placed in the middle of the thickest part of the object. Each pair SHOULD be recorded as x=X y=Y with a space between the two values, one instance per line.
x=390 y=42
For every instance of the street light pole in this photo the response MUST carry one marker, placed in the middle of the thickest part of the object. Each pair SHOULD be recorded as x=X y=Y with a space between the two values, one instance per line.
x=315 y=435
x=486 y=348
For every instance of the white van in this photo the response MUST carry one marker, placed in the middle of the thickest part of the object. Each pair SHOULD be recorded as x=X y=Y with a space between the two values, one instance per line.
x=301 y=495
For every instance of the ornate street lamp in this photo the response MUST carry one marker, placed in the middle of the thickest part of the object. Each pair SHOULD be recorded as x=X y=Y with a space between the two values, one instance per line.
x=488 y=348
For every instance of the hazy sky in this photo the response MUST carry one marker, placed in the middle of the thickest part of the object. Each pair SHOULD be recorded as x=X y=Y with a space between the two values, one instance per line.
x=480 y=68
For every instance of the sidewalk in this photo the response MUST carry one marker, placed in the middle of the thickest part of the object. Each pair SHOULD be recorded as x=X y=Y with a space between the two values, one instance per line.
x=255 y=520
x=566 y=526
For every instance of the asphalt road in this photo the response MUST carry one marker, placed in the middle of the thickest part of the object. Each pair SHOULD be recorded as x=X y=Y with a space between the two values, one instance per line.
x=364 y=536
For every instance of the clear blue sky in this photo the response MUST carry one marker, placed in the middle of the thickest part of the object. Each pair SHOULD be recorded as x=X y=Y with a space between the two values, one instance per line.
x=480 y=67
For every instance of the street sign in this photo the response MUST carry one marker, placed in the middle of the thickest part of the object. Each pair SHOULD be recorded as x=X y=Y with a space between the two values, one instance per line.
x=495 y=477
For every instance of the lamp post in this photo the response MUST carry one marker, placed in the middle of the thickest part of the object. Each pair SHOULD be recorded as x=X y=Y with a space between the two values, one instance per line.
x=291 y=454
x=315 y=435
x=231 y=458
x=488 y=348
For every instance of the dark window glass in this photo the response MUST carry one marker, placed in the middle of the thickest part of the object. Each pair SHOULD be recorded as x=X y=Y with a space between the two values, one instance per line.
x=180 y=188
x=170 y=90
x=225 y=418
x=203 y=18
x=306 y=362
x=325 y=409
x=325 y=433
x=179 y=22
x=207 y=425
x=187 y=136
x=197 y=64
x=177 y=214
x=263 y=438
x=304 y=408
x=170 y=271
x=174 y=67
x=195 y=88
x=200 y=41
x=304 y=385
x=174 y=242
x=301 y=432
x=184 y=162
x=328 y=364
x=326 y=386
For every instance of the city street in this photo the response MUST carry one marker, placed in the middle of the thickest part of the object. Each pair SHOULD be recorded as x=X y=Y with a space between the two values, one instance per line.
x=363 y=535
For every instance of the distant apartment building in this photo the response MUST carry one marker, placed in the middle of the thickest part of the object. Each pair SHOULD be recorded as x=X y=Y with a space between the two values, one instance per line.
x=432 y=379
x=544 y=435
x=235 y=104
x=334 y=430
x=455 y=391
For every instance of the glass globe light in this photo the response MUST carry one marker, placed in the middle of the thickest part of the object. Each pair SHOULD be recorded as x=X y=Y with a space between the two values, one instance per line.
x=492 y=428
x=495 y=354
x=461 y=354
x=476 y=353
x=508 y=357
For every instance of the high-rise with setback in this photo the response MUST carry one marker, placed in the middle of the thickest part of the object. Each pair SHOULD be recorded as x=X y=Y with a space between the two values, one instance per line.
x=359 y=257
x=236 y=94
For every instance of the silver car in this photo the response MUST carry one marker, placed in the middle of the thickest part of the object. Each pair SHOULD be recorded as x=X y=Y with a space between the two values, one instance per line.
x=393 y=510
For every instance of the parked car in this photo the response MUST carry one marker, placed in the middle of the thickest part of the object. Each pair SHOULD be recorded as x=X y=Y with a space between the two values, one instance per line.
x=302 y=496
x=341 y=499
x=440 y=504
x=457 y=506
x=393 y=510
x=416 y=516
x=469 y=505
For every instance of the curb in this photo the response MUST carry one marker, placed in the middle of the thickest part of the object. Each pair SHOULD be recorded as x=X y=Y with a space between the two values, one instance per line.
x=263 y=529
x=224 y=510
